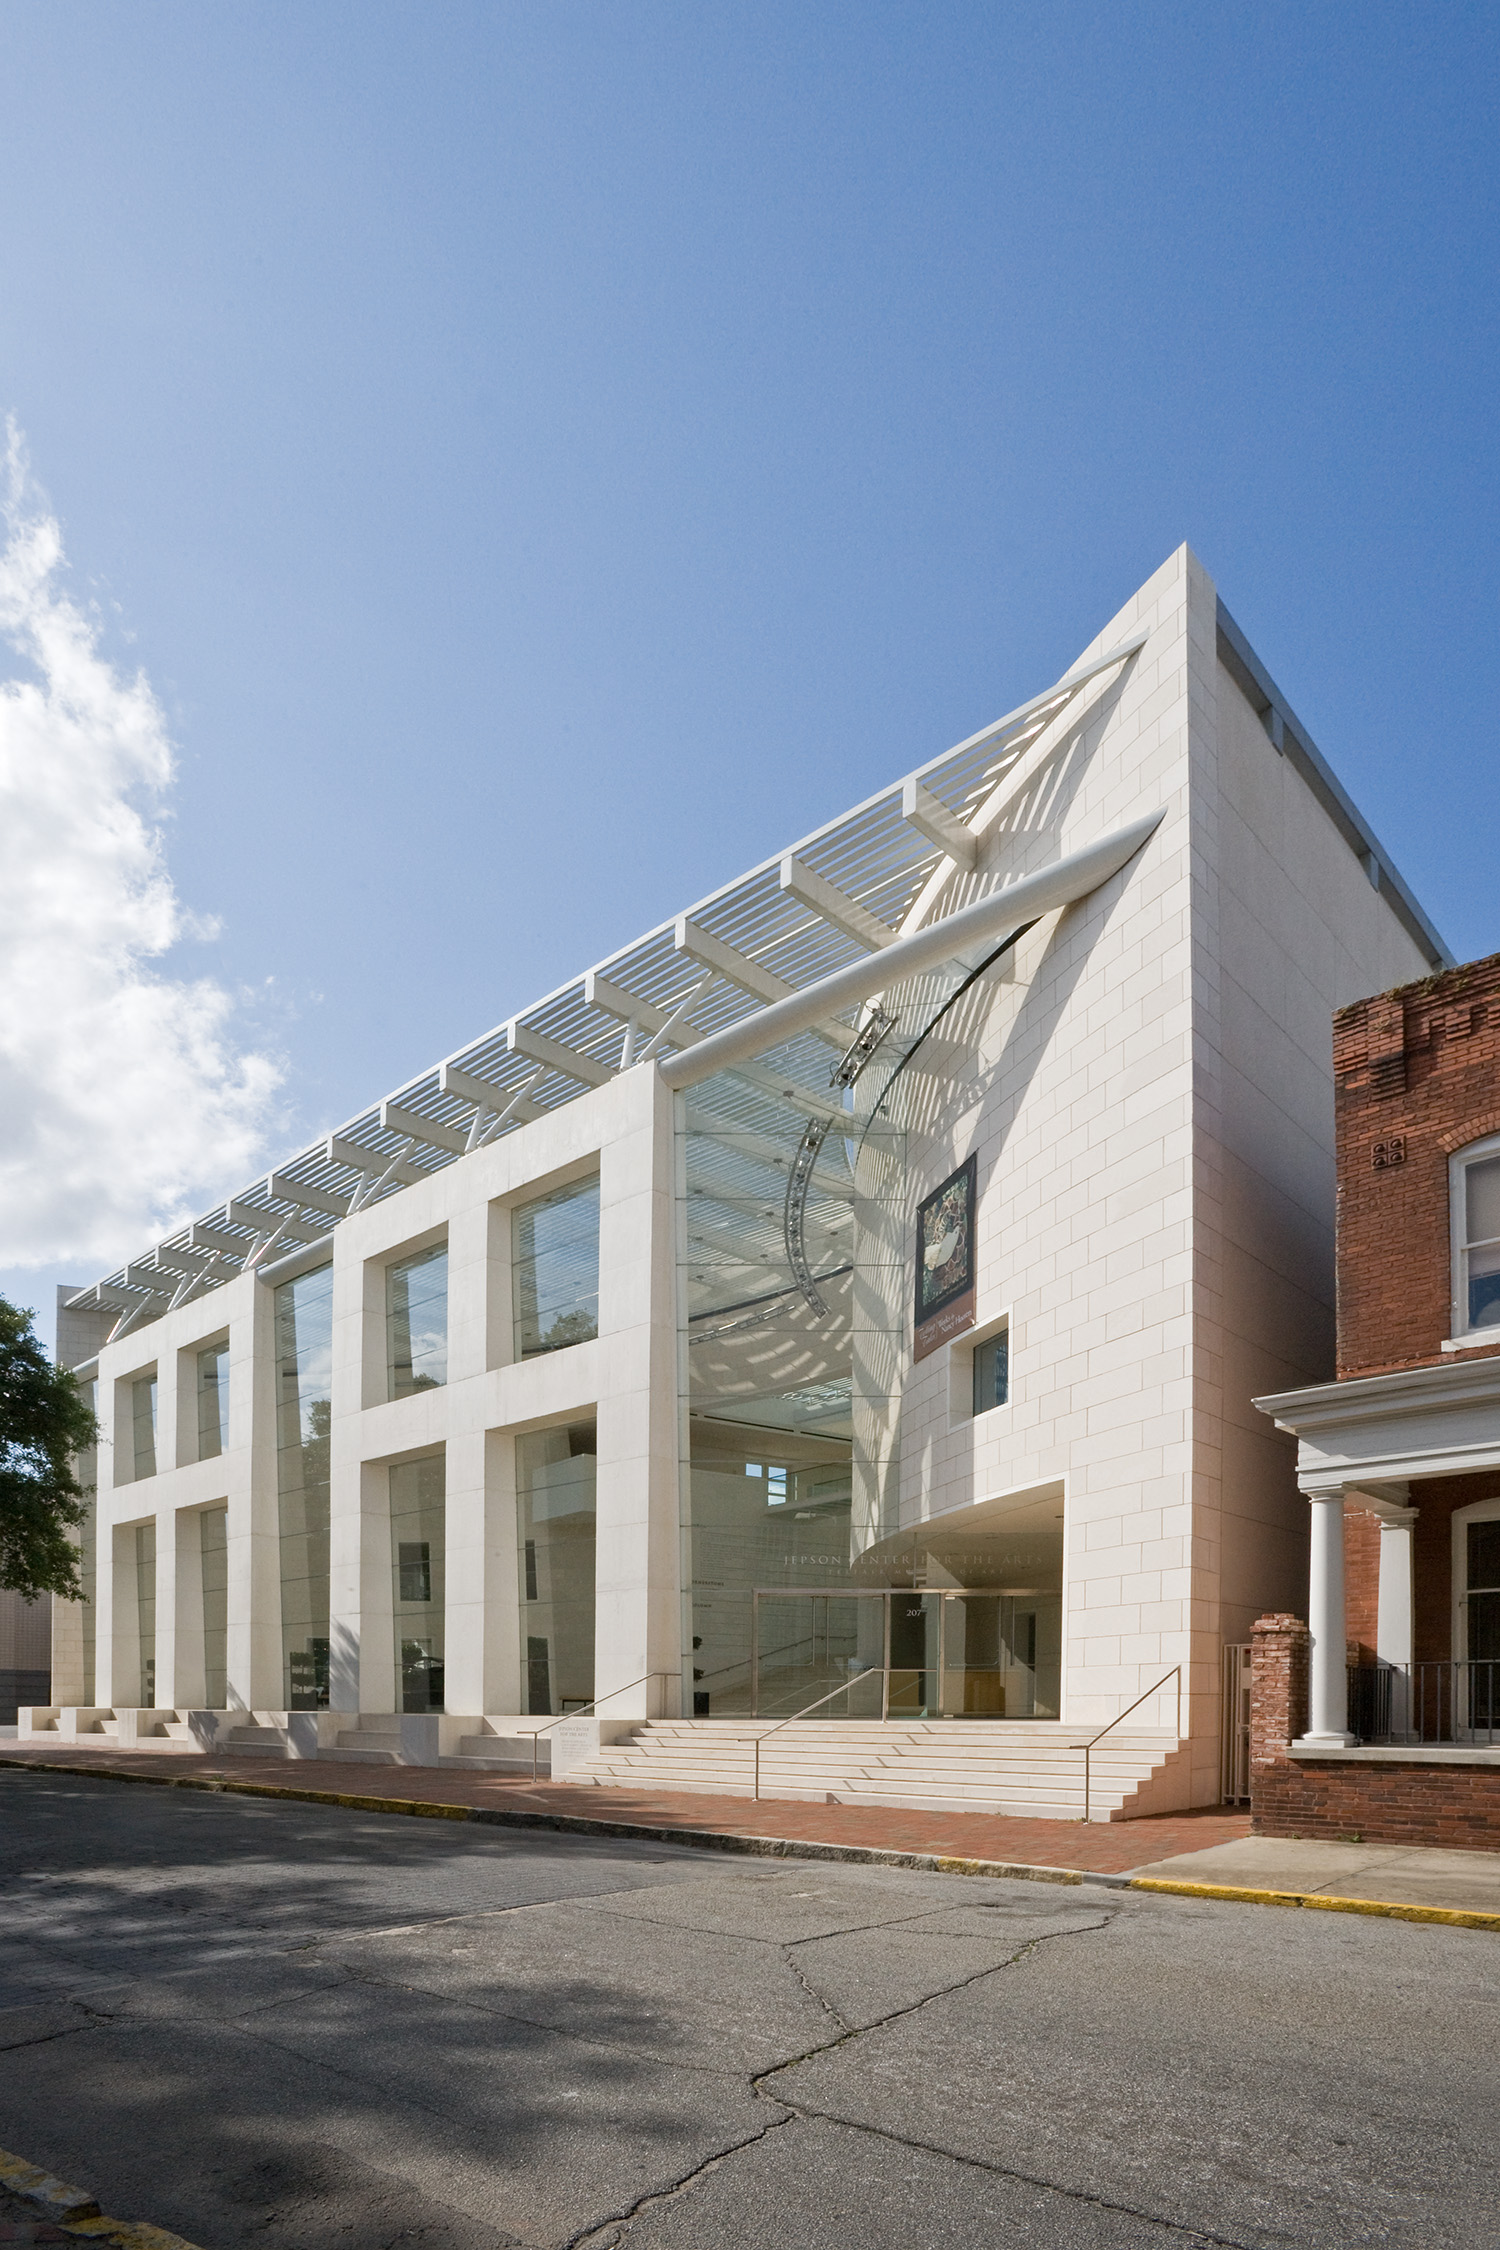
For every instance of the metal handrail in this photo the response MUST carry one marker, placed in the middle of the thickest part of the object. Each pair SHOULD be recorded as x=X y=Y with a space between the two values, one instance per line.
x=538 y=1732
x=1088 y=1747
x=842 y=1689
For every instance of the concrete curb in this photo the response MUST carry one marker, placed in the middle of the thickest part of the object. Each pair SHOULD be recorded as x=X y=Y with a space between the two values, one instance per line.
x=772 y=1847
x=77 y=2212
x=1456 y=1917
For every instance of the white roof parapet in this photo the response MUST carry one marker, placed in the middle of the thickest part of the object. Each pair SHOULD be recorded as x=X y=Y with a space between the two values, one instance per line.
x=984 y=920
x=808 y=887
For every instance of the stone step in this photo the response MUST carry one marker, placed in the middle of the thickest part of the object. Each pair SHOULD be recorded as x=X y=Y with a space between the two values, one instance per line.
x=374 y=1757
x=935 y=1766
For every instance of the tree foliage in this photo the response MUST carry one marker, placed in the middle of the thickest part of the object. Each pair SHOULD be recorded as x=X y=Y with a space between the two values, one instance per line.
x=45 y=1421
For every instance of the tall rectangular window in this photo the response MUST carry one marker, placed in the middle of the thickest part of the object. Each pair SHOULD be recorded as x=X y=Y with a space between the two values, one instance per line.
x=1480 y=1256
x=555 y=1269
x=304 y=1365
x=416 y=1322
x=213 y=1535
x=213 y=1403
x=145 y=1607
x=556 y=1493
x=418 y=1580
x=143 y=1425
x=992 y=1372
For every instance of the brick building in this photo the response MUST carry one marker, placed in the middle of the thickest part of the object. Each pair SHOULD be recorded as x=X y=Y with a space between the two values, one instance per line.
x=1400 y=1457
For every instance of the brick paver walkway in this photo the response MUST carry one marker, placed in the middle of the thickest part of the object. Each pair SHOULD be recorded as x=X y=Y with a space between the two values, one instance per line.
x=1111 y=1848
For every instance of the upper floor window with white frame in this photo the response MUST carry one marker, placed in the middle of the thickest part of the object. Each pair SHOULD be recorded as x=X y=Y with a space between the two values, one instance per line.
x=416 y=1321
x=213 y=1401
x=1475 y=1224
x=555 y=1268
x=143 y=1426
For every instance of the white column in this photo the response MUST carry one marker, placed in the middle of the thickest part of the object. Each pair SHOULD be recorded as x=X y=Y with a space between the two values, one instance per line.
x=1393 y=1625
x=1329 y=1694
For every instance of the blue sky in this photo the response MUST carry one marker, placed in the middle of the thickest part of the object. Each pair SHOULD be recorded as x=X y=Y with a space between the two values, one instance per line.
x=545 y=458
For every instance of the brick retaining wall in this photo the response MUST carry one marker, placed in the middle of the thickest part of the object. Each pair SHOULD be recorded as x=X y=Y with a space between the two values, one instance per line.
x=1404 y=1802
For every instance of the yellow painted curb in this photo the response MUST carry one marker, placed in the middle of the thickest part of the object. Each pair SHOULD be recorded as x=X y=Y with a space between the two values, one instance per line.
x=77 y=2212
x=1457 y=1917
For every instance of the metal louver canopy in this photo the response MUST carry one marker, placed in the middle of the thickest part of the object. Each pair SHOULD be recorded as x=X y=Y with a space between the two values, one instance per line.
x=984 y=920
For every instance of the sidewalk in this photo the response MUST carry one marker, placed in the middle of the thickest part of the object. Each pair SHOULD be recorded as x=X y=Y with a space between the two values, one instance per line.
x=1210 y=1850
x=1113 y=1848
x=1398 y=1874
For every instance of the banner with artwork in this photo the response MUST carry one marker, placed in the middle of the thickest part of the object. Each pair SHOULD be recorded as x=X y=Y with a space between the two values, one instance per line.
x=945 y=1261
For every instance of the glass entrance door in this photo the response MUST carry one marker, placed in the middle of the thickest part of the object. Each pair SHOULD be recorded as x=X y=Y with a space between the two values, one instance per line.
x=916 y=1661
x=808 y=1644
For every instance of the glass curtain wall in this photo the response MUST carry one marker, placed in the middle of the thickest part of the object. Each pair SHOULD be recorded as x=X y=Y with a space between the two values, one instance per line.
x=143 y=1425
x=304 y=1358
x=810 y=1585
x=555 y=1269
x=792 y=1461
x=418 y=1491
x=556 y=1500
x=145 y=1610
x=213 y=1402
x=213 y=1537
x=416 y=1322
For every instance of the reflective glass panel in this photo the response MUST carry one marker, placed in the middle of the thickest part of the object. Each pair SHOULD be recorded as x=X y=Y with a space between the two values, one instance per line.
x=143 y=1424
x=992 y=1373
x=145 y=1600
x=418 y=1580
x=213 y=1538
x=555 y=1269
x=555 y=1515
x=213 y=1404
x=416 y=1322
x=304 y=1356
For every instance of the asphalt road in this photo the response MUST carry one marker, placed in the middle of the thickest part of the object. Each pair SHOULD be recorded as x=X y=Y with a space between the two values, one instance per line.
x=257 y=2022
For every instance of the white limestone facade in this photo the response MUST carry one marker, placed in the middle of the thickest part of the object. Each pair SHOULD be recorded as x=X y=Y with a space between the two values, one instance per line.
x=1145 y=1081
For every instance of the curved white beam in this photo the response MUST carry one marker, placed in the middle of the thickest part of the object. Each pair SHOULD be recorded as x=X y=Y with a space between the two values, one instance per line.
x=986 y=919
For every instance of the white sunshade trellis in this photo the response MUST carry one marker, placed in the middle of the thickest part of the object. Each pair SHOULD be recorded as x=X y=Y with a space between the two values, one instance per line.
x=829 y=901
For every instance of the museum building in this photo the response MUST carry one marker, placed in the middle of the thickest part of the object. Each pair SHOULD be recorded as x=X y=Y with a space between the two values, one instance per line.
x=843 y=1305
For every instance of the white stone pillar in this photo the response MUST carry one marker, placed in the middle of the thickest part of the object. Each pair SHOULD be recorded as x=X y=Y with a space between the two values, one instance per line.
x=1393 y=1626
x=1328 y=1698
x=638 y=1610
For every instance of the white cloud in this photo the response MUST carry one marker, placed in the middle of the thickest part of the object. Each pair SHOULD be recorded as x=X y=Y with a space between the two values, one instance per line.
x=126 y=1101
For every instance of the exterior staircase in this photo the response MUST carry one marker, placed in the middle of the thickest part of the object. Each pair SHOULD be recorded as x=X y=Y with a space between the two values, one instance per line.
x=1021 y=1767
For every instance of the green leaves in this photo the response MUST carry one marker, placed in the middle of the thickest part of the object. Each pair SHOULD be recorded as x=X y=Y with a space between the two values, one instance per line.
x=45 y=1421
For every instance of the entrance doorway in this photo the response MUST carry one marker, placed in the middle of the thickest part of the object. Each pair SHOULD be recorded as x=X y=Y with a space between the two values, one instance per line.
x=904 y=1653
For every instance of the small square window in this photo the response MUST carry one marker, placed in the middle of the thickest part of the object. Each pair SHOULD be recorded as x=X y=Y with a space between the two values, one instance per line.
x=992 y=1372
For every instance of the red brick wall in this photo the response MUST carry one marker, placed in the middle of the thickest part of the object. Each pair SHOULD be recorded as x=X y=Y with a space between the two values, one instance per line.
x=1361 y=1582
x=1400 y=1802
x=1455 y=1806
x=1417 y=1076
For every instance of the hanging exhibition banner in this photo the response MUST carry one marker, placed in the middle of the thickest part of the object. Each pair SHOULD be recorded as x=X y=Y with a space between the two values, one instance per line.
x=945 y=1261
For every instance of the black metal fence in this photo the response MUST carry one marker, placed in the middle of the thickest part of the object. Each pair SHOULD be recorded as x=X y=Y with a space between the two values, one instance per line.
x=1405 y=1705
